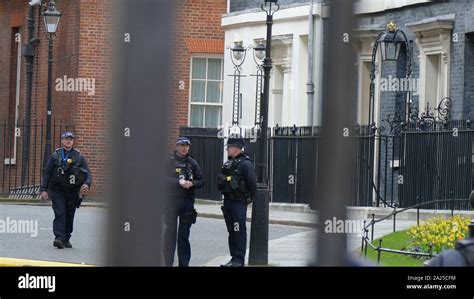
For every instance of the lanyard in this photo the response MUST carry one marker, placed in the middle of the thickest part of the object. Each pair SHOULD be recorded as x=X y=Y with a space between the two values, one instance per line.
x=64 y=157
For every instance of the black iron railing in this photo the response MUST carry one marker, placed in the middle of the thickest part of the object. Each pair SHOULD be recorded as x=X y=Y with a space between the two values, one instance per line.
x=22 y=160
x=370 y=227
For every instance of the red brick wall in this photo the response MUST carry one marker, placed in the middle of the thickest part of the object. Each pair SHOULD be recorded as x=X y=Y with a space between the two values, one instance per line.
x=195 y=19
x=91 y=112
x=83 y=49
x=73 y=57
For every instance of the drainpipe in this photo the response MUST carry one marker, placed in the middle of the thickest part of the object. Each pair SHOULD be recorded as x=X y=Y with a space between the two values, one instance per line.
x=310 y=84
x=29 y=52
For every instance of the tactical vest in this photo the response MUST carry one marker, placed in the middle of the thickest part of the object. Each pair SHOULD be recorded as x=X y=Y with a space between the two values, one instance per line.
x=183 y=170
x=231 y=182
x=466 y=248
x=69 y=174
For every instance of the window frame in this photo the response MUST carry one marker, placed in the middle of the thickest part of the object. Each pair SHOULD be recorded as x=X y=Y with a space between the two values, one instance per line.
x=205 y=103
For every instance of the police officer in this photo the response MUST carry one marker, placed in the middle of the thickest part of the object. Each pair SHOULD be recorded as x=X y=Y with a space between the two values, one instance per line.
x=238 y=184
x=185 y=176
x=67 y=178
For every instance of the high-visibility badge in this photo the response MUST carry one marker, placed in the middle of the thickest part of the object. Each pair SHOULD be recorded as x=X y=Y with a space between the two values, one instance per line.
x=228 y=178
x=178 y=170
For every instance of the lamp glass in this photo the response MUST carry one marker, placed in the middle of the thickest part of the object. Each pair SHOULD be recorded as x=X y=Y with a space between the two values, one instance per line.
x=269 y=5
x=390 y=50
x=260 y=51
x=51 y=20
x=237 y=54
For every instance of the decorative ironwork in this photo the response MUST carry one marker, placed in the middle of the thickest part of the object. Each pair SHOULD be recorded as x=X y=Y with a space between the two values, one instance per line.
x=429 y=119
x=237 y=56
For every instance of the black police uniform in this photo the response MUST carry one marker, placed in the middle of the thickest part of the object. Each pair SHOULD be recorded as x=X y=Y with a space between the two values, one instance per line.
x=181 y=206
x=238 y=184
x=65 y=173
x=461 y=256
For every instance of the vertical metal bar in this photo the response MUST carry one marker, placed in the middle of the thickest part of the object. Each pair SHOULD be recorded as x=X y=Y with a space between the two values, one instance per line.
x=366 y=239
x=258 y=251
x=47 y=152
x=451 y=193
x=363 y=240
x=10 y=154
x=372 y=224
x=4 y=155
x=29 y=56
x=379 y=172
x=386 y=171
x=41 y=149
x=379 y=252
x=336 y=150
x=137 y=105
x=16 y=156
x=34 y=156
x=394 y=217
x=418 y=211
x=392 y=169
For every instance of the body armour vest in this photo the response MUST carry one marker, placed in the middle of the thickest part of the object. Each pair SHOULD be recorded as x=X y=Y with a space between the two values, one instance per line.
x=231 y=182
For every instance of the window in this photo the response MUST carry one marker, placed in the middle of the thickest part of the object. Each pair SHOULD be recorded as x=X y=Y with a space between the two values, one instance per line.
x=433 y=74
x=433 y=39
x=206 y=92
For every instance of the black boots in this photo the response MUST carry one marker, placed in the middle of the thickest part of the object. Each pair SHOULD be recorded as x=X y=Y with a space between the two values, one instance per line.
x=59 y=244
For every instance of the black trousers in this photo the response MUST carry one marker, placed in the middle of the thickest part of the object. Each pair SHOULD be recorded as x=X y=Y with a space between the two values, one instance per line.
x=235 y=215
x=64 y=206
x=180 y=209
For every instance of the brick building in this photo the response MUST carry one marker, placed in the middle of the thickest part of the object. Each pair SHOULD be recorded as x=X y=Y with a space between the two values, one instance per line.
x=83 y=50
x=198 y=67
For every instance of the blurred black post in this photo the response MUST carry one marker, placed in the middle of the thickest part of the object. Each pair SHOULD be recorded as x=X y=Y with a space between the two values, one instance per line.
x=336 y=152
x=139 y=132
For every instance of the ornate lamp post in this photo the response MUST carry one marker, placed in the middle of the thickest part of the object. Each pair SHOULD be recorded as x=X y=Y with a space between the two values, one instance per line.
x=237 y=55
x=258 y=251
x=51 y=19
x=390 y=42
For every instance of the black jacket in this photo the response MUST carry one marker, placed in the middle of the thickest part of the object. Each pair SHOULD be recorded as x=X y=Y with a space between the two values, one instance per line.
x=247 y=170
x=54 y=162
x=173 y=178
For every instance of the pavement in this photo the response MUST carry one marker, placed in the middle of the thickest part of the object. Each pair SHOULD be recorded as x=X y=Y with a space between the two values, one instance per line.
x=296 y=249
x=299 y=249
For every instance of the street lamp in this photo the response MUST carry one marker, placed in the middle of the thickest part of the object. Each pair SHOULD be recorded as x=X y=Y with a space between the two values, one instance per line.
x=390 y=41
x=51 y=19
x=259 y=56
x=237 y=56
x=258 y=251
